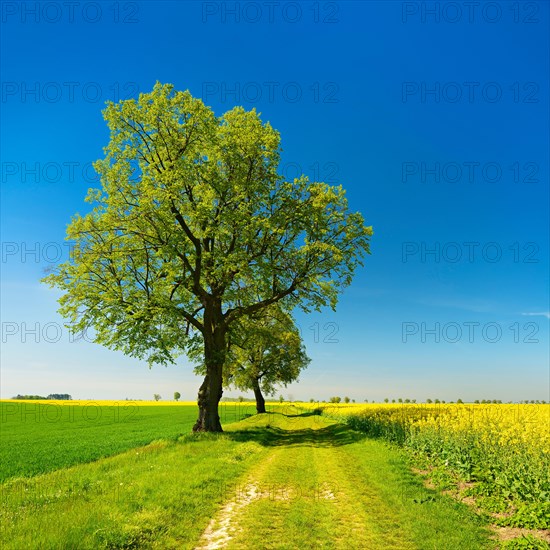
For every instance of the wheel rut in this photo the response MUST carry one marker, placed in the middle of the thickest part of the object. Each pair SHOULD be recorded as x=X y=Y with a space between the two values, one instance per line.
x=305 y=492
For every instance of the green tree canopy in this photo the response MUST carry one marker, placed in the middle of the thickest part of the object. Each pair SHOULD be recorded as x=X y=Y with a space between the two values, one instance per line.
x=265 y=350
x=194 y=228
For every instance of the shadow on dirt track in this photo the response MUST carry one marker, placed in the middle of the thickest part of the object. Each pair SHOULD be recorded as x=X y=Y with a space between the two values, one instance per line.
x=263 y=430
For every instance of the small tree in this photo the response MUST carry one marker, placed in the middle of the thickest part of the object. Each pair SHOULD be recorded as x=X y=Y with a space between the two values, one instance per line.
x=177 y=395
x=156 y=397
x=335 y=399
x=459 y=402
x=386 y=400
x=429 y=400
x=281 y=398
x=346 y=399
x=263 y=350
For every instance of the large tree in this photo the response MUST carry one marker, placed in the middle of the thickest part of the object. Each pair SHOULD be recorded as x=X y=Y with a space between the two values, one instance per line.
x=194 y=228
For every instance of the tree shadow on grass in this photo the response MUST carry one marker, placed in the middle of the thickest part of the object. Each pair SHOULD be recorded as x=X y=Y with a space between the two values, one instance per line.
x=332 y=435
x=312 y=413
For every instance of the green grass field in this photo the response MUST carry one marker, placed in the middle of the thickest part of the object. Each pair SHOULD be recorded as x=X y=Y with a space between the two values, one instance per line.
x=285 y=479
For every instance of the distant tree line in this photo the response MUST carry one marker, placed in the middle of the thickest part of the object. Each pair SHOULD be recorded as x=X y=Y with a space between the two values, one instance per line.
x=338 y=399
x=19 y=396
x=58 y=396
x=436 y=401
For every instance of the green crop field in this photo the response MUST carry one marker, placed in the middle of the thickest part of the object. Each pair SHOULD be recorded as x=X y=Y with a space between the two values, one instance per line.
x=40 y=436
x=131 y=475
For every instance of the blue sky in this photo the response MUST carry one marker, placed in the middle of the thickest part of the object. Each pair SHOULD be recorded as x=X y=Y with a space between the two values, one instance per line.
x=437 y=125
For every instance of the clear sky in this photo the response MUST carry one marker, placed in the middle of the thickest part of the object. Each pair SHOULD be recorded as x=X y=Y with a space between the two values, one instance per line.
x=436 y=123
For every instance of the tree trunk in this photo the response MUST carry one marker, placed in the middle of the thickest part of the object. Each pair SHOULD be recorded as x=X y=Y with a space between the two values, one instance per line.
x=210 y=394
x=260 y=401
x=211 y=389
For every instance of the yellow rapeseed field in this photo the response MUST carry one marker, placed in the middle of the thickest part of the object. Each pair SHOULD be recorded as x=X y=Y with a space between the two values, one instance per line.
x=503 y=448
x=505 y=424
